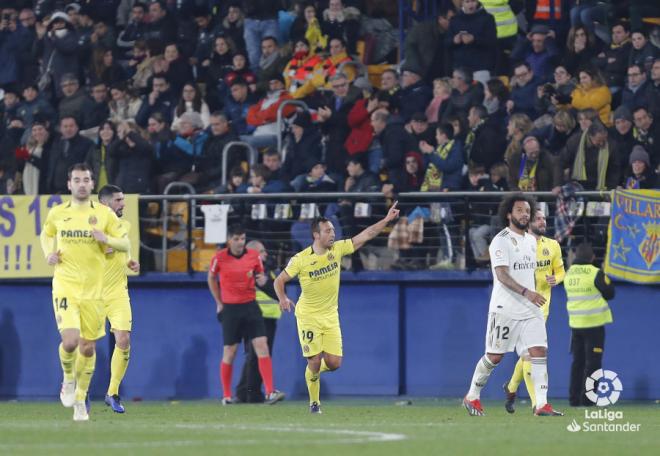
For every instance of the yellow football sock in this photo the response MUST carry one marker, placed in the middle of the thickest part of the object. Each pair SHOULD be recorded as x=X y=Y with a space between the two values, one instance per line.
x=529 y=384
x=313 y=385
x=84 y=371
x=68 y=362
x=324 y=366
x=118 y=367
x=517 y=377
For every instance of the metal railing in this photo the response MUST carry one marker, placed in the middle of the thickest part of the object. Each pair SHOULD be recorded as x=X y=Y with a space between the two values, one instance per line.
x=253 y=156
x=280 y=121
x=446 y=232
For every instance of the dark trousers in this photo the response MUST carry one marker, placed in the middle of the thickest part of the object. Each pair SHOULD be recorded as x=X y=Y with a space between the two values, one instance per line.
x=587 y=347
x=249 y=386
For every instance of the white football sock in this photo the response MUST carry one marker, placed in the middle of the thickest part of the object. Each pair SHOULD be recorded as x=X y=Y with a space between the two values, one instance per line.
x=540 y=379
x=481 y=373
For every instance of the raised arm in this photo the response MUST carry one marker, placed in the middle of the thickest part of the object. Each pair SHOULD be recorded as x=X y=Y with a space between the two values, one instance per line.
x=503 y=276
x=280 y=291
x=374 y=230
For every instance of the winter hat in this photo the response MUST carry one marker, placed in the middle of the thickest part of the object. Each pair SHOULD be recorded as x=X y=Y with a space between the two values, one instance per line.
x=59 y=16
x=622 y=112
x=194 y=118
x=639 y=154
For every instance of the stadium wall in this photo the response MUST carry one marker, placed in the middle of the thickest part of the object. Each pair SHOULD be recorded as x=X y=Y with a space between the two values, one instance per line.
x=417 y=333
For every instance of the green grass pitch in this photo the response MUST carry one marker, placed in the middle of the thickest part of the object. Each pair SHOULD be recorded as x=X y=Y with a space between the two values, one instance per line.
x=346 y=427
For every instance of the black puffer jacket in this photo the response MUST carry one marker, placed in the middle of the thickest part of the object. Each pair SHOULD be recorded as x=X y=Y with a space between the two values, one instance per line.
x=480 y=54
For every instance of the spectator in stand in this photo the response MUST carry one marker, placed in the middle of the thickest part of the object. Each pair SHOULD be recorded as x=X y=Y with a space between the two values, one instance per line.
x=10 y=105
x=585 y=118
x=303 y=148
x=342 y=23
x=485 y=143
x=553 y=137
x=162 y=25
x=647 y=133
x=539 y=50
x=482 y=227
x=316 y=180
x=359 y=180
x=389 y=82
x=206 y=31
x=589 y=160
x=161 y=100
x=263 y=115
x=104 y=68
x=191 y=101
x=58 y=46
x=273 y=161
x=9 y=159
x=465 y=94
x=235 y=180
x=613 y=61
x=232 y=25
x=100 y=111
x=261 y=181
x=553 y=97
x=640 y=174
x=218 y=66
x=70 y=148
x=533 y=169
x=271 y=64
x=524 y=84
x=592 y=92
x=133 y=156
x=472 y=40
x=260 y=22
x=141 y=65
x=638 y=90
x=443 y=163
x=307 y=27
x=643 y=52
x=28 y=61
x=12 y=36
x=360 y=140
x=34 y=105
x=135 y=29
x=425 y=44
x=499 y=173
x=654 y=102
x=326 y=69
x=220 y=134
x=237 y=106
x=394 y=141
x=123 y=105
x=300 y=68
x=582 y=49
x=411 y=178
x=437 y=106
x=418 y=130
x=166 y=158
x=101 y=161
x=241 y=70
x=496 y=94
x=75 y=102
x=332 y=116
x=39 y=144
x=414 y=93
x=175 y=67
x=517 y=128
x=621 y=135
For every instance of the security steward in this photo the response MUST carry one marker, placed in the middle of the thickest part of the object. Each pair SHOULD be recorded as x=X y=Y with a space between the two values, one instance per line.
x=587 y=289
x=249 y=386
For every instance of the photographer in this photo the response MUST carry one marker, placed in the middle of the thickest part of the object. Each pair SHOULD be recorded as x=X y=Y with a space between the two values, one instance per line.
x=12 y=35
x=552 y=97
x=133 y=158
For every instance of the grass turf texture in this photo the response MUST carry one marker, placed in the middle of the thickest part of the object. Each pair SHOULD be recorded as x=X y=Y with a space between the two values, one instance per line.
x=346 y=427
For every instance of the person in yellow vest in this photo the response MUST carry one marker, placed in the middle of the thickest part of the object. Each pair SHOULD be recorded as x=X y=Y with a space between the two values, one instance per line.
x=249 y=386
x=549 y=273
x=506 y=25
x=587 y=291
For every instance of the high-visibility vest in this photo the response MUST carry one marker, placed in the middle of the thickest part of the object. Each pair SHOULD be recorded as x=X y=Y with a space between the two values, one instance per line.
x=545 y=9
x=505 y=20
x=586 y=306
x=270 y=308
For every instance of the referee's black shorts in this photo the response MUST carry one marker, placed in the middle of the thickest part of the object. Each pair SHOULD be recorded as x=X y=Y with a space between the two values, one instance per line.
x=242 y=321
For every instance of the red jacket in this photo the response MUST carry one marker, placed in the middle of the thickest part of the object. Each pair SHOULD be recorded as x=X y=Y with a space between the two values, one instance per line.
x=362 y=133
x=257 y=116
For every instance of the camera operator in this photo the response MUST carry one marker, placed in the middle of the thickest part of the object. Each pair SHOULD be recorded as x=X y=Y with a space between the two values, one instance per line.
x=551 y=97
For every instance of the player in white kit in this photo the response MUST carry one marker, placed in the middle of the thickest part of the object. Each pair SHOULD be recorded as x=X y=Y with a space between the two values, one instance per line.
x=515 y=320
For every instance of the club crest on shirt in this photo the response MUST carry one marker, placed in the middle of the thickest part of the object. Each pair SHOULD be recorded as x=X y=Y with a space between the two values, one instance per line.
x=546 y=252
x=92 y=220
x=306 y=348
x=330 y=257
x=514 y=242
x=250 y=274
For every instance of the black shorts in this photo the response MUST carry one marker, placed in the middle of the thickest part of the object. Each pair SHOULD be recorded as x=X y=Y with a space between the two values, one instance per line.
x=242 y=321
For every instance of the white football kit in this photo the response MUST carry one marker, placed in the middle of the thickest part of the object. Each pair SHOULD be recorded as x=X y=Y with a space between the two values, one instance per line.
x=514 y=322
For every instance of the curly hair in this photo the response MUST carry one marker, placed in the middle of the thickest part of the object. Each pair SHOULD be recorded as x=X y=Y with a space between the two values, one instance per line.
x=506 y=206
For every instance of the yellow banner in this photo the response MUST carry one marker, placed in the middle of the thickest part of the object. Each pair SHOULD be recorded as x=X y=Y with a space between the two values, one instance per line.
x=21 y=221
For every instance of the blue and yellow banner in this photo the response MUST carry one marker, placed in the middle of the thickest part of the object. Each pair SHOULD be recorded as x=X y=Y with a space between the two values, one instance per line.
x=21 y=220
x=633 y=247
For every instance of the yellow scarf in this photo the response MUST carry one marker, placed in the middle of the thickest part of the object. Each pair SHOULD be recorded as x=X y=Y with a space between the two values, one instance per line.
x=433 y=176
x=579 y=165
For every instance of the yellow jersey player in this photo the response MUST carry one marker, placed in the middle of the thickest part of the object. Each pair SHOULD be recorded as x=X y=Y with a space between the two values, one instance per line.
x=74 y=238
x=317 y=316
x=116 y=302
x=549 y=273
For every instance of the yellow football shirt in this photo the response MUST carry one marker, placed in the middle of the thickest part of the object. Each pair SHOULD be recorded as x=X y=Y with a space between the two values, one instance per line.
x=319 y=279
x=115 y=281
x=79 y=275
x=548 y=262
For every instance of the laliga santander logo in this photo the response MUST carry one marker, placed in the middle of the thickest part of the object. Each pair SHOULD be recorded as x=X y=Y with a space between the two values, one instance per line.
x=603 y=387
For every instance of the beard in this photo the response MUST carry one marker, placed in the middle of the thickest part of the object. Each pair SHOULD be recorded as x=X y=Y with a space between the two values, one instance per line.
x=518 y=224
x=538 y=231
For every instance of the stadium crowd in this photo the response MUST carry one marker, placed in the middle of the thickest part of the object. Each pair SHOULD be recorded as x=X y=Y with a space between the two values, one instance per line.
x=491 y=95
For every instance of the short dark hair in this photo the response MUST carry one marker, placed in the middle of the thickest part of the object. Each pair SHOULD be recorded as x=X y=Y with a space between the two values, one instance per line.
x=584 y=252
x=69 y=116
x=480 y=110
x=446 y=129
x=107 y=191
x=596 y=127
x=642 y=108
x=316 y=224
x=140 y=5
x=80 y=167
x=506 y=206
x=619 y=23
x=522 y=63
x=390 y=70
x=235 y=229
x=270 y=37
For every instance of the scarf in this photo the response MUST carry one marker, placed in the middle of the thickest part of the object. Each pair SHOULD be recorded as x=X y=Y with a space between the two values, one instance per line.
x=265 y=62
x=623 y=43
x=527 y=175
x=433 y=176
x=469 y=140
x=579 y=168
